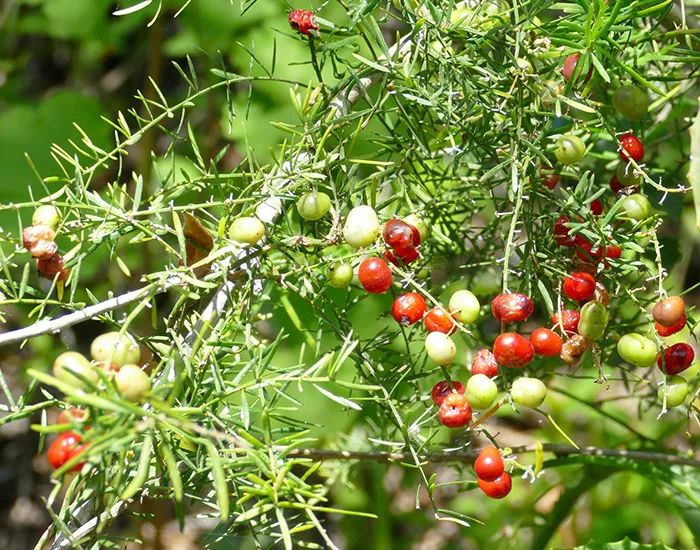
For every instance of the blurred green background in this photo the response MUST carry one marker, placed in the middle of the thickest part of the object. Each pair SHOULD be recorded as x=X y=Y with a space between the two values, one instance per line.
x=70 y=62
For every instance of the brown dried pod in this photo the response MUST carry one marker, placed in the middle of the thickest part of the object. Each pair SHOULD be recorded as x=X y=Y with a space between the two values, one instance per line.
x=52 y=266
x=601 y=293
x=39 y=241
x=670 y=311
x=573 y=349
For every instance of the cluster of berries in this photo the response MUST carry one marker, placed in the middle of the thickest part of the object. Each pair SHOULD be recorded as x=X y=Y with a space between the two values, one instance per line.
x=39 y=240
x=115 y=360
x=491 y=476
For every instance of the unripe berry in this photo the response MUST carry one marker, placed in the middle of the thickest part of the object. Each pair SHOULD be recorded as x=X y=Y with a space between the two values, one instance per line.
x=569 y=149
x=72 y=367
x=481 y=391
x=528 y=392
x=374 y=275
x=636 y=207
x=455 y=411
x=675 y=390
x=132 y=382
x=340 y=275
x=46 y=214
x=111 y=347
x=361 y=227
x=637 y=350
x=631 y=102
x=247 y=230
x=422 y=227
x=440 y=348
x=313 y=205
x=464 y=306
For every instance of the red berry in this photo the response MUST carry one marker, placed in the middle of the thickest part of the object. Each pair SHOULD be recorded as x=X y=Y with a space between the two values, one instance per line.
x=416 y=234
x=615 y=185
x=402 y=256
x=513 y=350
x=596 y=207
x=586 y=251
x=561 y=232
x=443 y=389
x=631 y=147
x=51 y=267
x=550 y=181
x=669 y=311
x=489 y=465
x=545 y=342
x=303 y=21
x=399 y=235
x=569 y=67
x=668 y=331
x=455 y=411
x=511 y=308
x=569 y=320
x=65 y=447
x=613 y=251
x=676 y=359
x=498 y=488
x=485 y=363
x=374 y=275
x=579 y=286
x=408 y=308
x=439 y=320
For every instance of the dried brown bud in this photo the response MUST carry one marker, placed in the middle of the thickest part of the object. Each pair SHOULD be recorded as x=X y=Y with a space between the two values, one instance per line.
x=573 y=349
x=601 y=293
x=39 y=241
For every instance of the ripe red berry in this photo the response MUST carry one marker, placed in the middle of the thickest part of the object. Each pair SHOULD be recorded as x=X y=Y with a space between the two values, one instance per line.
x=569 y=320
x=374 y=275
x=439 y=320
x=545 y=342
x=615 y=185
x=664 y=332
x=579 y=286
x=485 y=363
x=408 y=308
x=65 y=447
x=587 y=252
x=512 y=308
x=303 y=21
x=550 y=180
x=499 y=488
x=399 y=235
x=513 y=350
x=631 y=147
x=596 y=207
x=455 y=411
x=613 y=251
x=443 y=389
x=561 y=232
x=569 y=67
x=676 y=358
x=402 y=255
x=489 y=465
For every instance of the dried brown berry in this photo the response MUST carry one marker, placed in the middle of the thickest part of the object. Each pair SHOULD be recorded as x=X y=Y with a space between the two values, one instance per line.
x=39 y=241
x=670 y=311
x=51 y=267
x=573 y=349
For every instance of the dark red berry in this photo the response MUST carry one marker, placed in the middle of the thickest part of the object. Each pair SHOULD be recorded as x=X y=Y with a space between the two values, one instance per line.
x=587 y=252
x=676 y=358
x=513 y=350
x=512 y=308
x=545 y=342
x=499 y=488
x=596 y=207
x=439 y=320
x=408 y=308
x=665 y=332
x=485 y=363
x=303 y=21
x=374 y=275
x=443 y=389
x=489 y=465
x=399 y=235
x=561 y=232
x=51 y=267
x=631 y=148
x=615 y=185
x=569 y=67
x=65 y=447
x=455 y=411
x=579 y=286
x=402 y=256
x=569 y=320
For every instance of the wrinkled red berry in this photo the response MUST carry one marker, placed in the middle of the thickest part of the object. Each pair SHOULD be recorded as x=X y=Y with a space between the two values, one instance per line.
x=51 y=267
x=499 y=488
x=374 y=275
x=631 y=147
x=303 y=21
x=485 y=363
x=443 y=389
x=561 y=232
x=545 y=342
x=489 y=465
x=664 y=332
x=455 y=411
x=439 y=320
x=579 y=286
x=569 y=320
x=676 y=358
x=39 y=241
x=512 y=308
x=408 y=308
x=513 y=350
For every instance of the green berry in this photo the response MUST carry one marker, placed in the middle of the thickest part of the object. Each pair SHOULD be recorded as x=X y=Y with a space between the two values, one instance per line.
x=464 y=306
x=247 y=230
x=631 y=102
x=570 y=149
x=636 y=207
x=676 y=390
x=481 y=391
x=637 y=350
x=72 y=367
x=422 y=227
x=132 y=382
x=528 y=392
x=340 y=275
x=313 y=205
x=440 y=348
